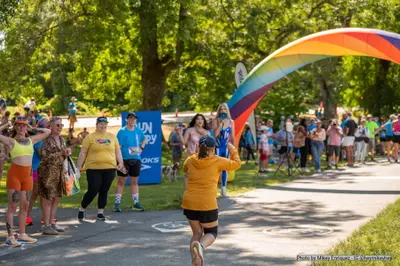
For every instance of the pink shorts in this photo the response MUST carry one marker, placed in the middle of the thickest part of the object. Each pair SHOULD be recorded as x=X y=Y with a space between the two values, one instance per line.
x=35 y=175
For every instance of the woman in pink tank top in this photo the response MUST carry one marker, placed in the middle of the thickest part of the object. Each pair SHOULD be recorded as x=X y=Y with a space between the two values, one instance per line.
x=396 y=138
x=197 y=129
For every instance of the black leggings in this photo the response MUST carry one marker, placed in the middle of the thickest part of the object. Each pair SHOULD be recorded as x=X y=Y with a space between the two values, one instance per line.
x=250 y=152
x=303 y=156
x=99 y=182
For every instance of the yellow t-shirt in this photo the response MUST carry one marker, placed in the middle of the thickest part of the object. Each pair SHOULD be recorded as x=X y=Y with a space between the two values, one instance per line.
x=101 y=149
x=203 y=175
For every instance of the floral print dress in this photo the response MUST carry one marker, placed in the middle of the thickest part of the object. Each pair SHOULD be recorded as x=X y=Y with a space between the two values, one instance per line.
x=51 y=180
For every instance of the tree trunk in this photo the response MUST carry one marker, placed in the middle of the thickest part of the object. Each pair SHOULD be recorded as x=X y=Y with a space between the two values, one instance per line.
x=379 y=88
x=155 y=70
x=328 y=98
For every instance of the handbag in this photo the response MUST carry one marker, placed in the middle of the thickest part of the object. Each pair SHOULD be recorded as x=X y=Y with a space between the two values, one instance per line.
x=71 y=180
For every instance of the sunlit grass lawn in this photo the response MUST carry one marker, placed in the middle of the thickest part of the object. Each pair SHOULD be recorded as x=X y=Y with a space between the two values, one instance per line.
x=168 y=195
x=380 y=236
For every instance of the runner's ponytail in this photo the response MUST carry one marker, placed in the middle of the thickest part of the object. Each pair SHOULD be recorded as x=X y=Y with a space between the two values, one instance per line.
x=203 y=153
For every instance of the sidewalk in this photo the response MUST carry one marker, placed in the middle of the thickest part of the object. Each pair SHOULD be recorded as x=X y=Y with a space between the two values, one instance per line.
x=268 y=226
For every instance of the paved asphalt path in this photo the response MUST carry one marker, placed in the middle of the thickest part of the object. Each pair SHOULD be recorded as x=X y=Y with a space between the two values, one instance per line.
x=268 y=226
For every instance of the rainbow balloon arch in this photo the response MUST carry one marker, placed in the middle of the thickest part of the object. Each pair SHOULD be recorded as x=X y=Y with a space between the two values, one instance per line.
x=309 y=49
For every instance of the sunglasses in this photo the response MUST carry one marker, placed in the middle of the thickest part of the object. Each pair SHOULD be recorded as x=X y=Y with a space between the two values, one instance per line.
x=199 y=118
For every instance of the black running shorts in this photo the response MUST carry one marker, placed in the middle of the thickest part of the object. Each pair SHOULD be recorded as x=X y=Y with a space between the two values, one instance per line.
x=201 y=216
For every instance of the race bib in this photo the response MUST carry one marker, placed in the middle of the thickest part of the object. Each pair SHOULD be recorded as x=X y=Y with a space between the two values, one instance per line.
x=134 y=151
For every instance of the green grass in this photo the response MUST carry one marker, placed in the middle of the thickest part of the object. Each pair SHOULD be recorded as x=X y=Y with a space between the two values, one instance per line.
x=166 y=195
x=380 y=236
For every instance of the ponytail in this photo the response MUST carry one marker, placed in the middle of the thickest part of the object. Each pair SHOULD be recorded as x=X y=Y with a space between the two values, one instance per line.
x=203 y=153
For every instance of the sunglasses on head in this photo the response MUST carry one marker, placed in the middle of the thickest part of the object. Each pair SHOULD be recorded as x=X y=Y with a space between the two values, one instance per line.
x=199 y=118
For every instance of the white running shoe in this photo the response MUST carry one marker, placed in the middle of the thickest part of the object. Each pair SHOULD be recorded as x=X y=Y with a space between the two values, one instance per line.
x=224 y=193
x=197 y=251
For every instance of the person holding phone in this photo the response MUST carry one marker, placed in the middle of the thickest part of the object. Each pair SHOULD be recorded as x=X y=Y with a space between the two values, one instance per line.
x=335 y=134
x=224 y=131
x=317 y=136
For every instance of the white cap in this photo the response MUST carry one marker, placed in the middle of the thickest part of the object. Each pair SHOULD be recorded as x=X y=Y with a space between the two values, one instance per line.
x=264 y=128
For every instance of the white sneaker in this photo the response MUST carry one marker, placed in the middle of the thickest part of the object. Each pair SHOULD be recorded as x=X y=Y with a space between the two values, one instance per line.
x=197 y=251
x=318 y=171
x=305 y=170
x=224 y=193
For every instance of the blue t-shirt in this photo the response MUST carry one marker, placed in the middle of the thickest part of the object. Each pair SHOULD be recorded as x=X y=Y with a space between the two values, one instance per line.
x=270 y=132
x=36 y=157
x=3 y=104
x=249 y=140
x=388 y=127
x=175 y=139
x=72 y=107
x=311 y=127
x=343 y=124
x=130 y=141
x=281 y=137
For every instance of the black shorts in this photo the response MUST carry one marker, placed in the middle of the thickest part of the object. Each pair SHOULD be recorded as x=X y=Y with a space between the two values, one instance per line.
x=308 y=145
x=132 y=166
x=201 y=216
x=333 y=149
x=389 y=138
x=396 y=138
x=283 y=150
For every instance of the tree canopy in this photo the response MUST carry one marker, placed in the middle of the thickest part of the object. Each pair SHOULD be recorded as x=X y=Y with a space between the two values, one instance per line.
x=128 y=54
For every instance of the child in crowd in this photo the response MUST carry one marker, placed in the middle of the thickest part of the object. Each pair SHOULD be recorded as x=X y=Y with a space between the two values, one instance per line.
x=83 y=134
x=264 y=150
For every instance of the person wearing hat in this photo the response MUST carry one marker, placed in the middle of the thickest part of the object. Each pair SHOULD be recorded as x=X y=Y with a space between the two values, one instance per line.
x=317 y=136
x=72 y=113
x=264 y=150
x=335 y=134
x=101 y=152
x=19 y=177
x=132 y=142
x=361 y=141
x=199 y=200
x=349 y=129
x=30 y=105
x=373 y=129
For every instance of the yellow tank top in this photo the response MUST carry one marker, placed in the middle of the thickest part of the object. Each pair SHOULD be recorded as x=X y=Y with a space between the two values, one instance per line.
x=21 y=150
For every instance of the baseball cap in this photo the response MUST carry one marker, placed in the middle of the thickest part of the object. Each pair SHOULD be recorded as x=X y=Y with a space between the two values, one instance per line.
x=21 y=120
x=132 y=114
x=208 y=140
x=264 y=128
x=369 y=116
x=101 y=119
